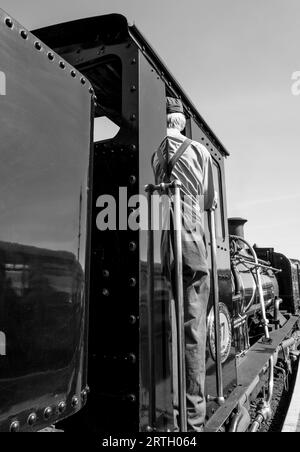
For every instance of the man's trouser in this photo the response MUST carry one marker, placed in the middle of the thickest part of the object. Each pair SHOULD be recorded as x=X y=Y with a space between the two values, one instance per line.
x=196 y=286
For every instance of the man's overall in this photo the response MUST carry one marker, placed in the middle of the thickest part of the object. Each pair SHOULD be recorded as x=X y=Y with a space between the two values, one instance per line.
x=190 y=163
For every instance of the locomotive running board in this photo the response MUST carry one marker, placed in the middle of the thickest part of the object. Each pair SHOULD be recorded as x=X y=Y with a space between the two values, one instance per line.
x=251 y=366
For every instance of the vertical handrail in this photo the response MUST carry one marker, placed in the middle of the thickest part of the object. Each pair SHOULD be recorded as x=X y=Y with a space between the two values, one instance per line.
x=178 y=304
x=179 y=309
x=219 y=379
x=150 y=312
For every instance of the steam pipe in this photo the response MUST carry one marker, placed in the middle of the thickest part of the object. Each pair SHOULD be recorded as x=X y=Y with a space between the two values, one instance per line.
x=258 y=264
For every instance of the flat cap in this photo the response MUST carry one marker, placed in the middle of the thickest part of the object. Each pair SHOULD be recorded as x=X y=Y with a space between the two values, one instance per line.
x=174 y=105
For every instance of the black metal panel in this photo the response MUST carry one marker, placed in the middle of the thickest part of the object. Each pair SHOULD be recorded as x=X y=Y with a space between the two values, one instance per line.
x=174 y=87
x=105 y=30
x=45 y=124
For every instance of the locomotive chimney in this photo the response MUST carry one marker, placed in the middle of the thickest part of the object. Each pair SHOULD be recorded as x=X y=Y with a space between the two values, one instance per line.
x=236 y=226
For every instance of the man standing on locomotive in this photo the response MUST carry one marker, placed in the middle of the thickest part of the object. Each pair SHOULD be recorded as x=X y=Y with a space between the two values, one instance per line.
x=189 y=162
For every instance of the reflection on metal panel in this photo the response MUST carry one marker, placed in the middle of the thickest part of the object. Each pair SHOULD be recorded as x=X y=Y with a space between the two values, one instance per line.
x=44 y=166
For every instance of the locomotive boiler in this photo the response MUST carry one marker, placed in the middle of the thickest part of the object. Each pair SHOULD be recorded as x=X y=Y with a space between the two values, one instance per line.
x=86 y=336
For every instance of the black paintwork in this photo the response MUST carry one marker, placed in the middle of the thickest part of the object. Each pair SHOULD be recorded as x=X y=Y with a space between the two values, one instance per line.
x=45 y=125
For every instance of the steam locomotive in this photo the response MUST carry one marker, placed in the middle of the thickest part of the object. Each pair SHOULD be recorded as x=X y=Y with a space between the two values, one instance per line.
x=85 y=314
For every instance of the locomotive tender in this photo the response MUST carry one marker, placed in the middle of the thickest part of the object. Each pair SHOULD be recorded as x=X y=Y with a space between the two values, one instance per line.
x=66 y=284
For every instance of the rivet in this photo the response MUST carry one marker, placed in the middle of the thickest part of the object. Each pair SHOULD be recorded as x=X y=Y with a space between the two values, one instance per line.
x=105 y=274
x=132 y=246
x=105 y=292
x=131 y=398
x=91 y=90
x=24 y=34
x=132 y=319
x=32 y=418
x=133 y=147
x=75 y=401
x=14 y=427
x=62 y=406
x=133 y=88
x=48 y=412
x=133 y=61
x=149 y=429
x=132 y=179
x=84 y=395
x=73 y=73
x=62 y=65
x=37 y=45
x=50 y=56
x=133 y=117
x=83 y=80
x=132 y=282
x=131 y=358
x=9 y=22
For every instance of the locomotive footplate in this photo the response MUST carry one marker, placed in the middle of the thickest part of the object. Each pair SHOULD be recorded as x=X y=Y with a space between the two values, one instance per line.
x=250 y=367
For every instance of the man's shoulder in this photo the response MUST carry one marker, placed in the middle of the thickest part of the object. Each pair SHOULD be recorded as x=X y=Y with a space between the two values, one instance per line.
x=202 y=150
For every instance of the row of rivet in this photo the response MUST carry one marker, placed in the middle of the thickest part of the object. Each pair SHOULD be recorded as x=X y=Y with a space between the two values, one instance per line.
x=38 y=46
x=48 y=412
x=120 y=148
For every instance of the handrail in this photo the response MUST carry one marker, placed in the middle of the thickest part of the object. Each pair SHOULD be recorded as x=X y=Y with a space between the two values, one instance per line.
x=165 y=188
x=219 y=377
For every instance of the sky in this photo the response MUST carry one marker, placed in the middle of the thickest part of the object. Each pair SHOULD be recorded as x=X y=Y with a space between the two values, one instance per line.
x=235 y=60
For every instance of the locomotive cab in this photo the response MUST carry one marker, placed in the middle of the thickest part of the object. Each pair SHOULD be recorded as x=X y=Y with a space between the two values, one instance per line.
x=131 y=84
x=83 y=113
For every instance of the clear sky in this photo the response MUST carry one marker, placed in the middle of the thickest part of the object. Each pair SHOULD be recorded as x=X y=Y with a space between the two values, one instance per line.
x=235 y=59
